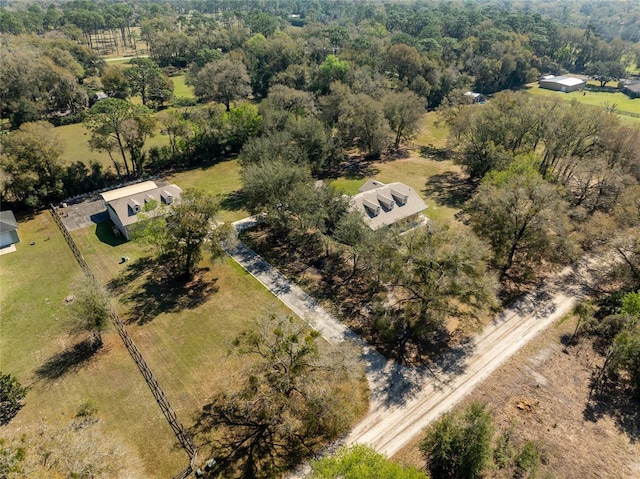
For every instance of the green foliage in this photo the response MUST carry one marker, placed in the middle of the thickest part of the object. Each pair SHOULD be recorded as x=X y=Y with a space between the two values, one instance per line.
x=458 y=446
x=184 y=232
x=116 y=124
x=361 y=462
x=288 y=403
x=30 y=160
x=440 y=272
x=91 y=311
x=146 y=79
x=523 y=217
x=223 y=81
x=11 y=395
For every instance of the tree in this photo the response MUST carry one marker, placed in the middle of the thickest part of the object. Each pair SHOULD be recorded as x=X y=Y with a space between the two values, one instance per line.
x=91 y=312
x=223 y=81
x=11 y=395
x=405 y=61
x=115 y=121
x=147 y=80
x=458 y=446
x=403 y=111
x=441 y=272
x=332 y=69
x=287 y=405
x=31 y=161
x=604 y=72
x=362 y=123
x=115 y=83
x=523 y=217
x=361 y=462
x=185 y=231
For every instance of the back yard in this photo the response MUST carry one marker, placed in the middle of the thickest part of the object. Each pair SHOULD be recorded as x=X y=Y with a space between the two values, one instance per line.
x=183 y=332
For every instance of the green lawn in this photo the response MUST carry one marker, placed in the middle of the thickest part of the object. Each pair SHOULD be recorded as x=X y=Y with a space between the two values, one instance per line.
x=221 y=179
x=75 y=141
x=430 y=133
x=623 y=102
x=180 y=89
x=416 y=172
x=184 y=340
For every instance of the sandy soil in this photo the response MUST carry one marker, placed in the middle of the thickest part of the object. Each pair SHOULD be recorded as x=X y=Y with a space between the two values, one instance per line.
x=544 y=391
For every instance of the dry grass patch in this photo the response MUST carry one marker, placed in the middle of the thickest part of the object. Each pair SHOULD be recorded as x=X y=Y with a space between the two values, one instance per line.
x=544 y=393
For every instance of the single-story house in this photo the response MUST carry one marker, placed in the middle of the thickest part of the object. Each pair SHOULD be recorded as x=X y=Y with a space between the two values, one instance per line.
x=385 y=204
x=8 y=229
x=124 y=204
x=630 y=88
x=562 y=83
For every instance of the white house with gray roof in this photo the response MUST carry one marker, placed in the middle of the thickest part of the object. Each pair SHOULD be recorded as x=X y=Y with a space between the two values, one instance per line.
x=385 y=204
x=124 y=204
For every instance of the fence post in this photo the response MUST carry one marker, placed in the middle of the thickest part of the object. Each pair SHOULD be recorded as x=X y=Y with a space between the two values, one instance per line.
x=185 y=439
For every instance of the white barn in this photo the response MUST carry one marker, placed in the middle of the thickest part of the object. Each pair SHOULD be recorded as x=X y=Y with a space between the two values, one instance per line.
x=562 y=83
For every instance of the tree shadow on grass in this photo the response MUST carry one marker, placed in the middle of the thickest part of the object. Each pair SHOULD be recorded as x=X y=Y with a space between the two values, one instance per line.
x=449 y=189
x=234 y=201
x=70 y=360
x=148 y=290
x=618 y=403
x=434 y=153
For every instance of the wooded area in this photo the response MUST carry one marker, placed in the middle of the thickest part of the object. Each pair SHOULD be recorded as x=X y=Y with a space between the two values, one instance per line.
x=301 y=93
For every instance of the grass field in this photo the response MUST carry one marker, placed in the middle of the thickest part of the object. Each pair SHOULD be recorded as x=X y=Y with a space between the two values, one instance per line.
x=180 y=89
x=75 y=141
x=430 y=133
x=184 y=336
x=221 y=179
x=623 y=102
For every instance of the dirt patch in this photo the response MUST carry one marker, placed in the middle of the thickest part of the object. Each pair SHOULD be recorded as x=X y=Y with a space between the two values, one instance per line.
x=544 y=392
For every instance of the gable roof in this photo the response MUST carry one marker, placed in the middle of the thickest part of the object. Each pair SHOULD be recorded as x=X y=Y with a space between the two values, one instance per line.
x=127 y=202
x=7 y=221
x=382 y=205
x=128 y=191
x=565 y=81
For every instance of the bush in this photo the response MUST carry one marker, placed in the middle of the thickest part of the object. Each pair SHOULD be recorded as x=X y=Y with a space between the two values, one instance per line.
x=183 y=101
x=87 y=408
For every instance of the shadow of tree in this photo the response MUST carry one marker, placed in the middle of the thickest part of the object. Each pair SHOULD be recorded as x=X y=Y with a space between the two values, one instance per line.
x=434 y=153
x=148 y=290
x=616 y=401
x=234 y=201
x=449 y=189
x=69 y=360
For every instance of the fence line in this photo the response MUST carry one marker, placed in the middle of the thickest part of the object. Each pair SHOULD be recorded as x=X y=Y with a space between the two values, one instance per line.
x=185 y=439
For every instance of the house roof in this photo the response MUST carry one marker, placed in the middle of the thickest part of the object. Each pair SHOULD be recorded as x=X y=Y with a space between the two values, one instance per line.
x=7 y=221
x=127 y=202
x=384 y=204
x=128 y=191
x=633 y=85
x=565 y=81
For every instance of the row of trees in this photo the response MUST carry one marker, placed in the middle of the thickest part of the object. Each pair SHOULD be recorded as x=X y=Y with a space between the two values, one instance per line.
x=551 y=176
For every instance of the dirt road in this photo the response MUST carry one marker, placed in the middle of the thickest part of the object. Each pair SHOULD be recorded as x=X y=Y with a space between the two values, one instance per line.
x=404 y=400
x=389 y=426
